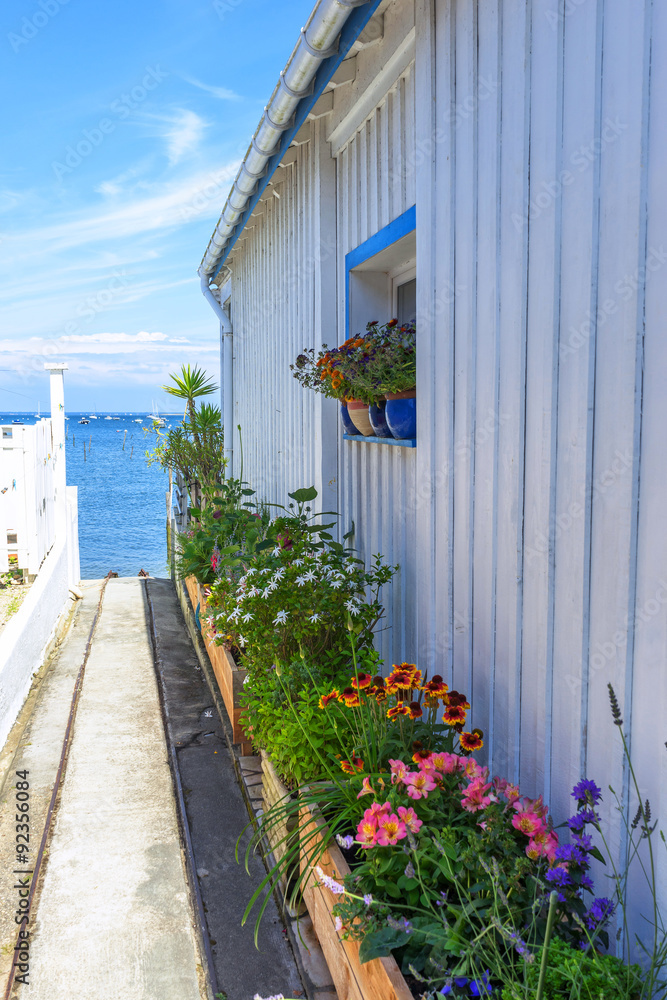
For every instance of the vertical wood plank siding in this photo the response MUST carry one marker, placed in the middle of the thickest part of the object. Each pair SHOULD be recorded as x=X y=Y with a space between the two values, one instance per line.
x=530 y=522
x=375 y=181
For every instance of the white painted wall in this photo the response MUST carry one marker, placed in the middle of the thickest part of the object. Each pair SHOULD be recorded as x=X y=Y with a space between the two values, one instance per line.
x=28 y=503
x=530 y=521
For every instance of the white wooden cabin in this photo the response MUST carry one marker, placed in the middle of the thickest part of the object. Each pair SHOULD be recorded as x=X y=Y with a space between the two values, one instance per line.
x=509 y=155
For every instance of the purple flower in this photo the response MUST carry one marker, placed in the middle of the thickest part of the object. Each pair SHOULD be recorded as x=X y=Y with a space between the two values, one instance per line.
x=600 y=911
x=587 y=791
x=368 y=899
x=558 y=876
x=586 y=883
x=580 y=819
x=571 y=852
x=584 y=841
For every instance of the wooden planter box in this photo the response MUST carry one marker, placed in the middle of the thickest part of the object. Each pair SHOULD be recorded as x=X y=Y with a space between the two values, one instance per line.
x=273 y=791
x=380 y=979
x=230 y=678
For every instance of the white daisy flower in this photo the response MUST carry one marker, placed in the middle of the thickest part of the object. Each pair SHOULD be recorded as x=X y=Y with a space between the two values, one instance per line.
x=276 y=551
x=352 y=607
x=298 y=562
x=336 y=584
x=301 y=581
x=314 y=618
x=247 y=617
x=280 y=618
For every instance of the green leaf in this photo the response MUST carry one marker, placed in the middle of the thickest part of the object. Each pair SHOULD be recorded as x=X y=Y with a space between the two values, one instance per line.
x=380 y=944
x=304 y=495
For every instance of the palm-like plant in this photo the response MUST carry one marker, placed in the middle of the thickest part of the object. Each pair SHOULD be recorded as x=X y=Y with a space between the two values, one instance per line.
x=190 y=384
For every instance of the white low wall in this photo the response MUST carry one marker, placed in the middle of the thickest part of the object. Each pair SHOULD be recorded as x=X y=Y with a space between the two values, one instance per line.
x=25 y=640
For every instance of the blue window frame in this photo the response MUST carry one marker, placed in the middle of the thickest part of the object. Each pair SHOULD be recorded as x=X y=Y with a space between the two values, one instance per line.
x=384 y=238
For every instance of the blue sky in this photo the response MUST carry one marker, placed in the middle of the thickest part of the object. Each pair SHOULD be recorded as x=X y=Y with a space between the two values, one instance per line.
x=123 y=126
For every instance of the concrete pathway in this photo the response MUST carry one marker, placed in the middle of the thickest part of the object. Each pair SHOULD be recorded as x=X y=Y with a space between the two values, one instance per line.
x=114 y=918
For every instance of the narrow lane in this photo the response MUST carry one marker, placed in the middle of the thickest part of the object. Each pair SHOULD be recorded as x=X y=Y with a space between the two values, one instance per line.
x=114 y=918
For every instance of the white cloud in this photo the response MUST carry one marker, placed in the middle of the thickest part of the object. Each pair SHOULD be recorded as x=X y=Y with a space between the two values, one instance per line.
x=116 y=338
x=42 y=348
x=173 y=205
x=222 y=93
x=183 y=134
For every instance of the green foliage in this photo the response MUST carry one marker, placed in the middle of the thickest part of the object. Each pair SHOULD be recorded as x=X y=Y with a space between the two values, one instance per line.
x=230 y=520
x=190 y=384
x=194 y=448
x=573 y=974
x=277 y=710
x=297 y=593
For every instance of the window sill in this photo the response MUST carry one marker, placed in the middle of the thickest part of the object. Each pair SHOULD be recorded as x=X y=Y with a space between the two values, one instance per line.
x=396 y=442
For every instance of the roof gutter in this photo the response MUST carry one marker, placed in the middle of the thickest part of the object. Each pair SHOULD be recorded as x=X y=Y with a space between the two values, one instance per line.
x=331 y=31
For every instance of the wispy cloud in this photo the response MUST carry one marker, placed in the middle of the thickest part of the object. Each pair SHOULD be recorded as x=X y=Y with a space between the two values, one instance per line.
x=222 y=93
x=183 y=133
x=173 y=205
x=101 y=344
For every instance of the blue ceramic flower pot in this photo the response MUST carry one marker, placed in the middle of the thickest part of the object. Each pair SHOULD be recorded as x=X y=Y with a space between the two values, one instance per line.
x=401 y=417
x=348 y=426
x=376 y=415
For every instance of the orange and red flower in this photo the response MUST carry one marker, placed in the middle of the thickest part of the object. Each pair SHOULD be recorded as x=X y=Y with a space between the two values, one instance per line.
x=326 y=699
x=471 y=741
x=349 y=697
x=361 y=681
x=454 y=715
x=353 y=767
x=400 y=709
x=415 y=710
x=399 y=680
x=436 y=687
x=457 y=700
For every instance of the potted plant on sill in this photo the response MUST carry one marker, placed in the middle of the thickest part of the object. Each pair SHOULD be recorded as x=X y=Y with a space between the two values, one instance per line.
x=320 y=372
x=374 y=377
x=391 y=373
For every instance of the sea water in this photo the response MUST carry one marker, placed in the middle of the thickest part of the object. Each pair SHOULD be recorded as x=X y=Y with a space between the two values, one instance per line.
x=122 y=500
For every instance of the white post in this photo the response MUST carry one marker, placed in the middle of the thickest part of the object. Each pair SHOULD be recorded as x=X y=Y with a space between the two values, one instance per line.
x=57 y=387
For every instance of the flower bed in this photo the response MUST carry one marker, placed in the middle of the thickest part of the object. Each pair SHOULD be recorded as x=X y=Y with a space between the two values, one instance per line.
x=379 y=979
x=230 y=678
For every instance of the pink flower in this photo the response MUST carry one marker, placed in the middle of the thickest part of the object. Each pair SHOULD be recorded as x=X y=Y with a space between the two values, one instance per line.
x=543 y=844
x=367 y=830
x=366 y=788
x=390 y=830
x=410 y=818
x=471 y=769
x=506 y=788
x=447 y=763
x=528 y=822
x=398 y=771
x=475 y=797
x=377 y=810
x=419 y=784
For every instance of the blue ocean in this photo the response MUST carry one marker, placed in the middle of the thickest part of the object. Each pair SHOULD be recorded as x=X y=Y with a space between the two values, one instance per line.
x=122 y=500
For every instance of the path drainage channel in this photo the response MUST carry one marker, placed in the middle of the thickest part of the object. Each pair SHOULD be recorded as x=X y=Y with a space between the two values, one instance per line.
x=216 y=815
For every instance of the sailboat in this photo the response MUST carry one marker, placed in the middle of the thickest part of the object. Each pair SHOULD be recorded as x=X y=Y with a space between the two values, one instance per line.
x=38 y=415
x=158 y=421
